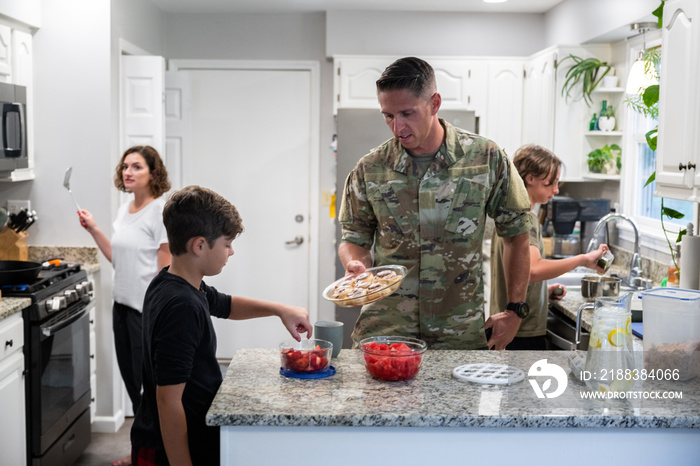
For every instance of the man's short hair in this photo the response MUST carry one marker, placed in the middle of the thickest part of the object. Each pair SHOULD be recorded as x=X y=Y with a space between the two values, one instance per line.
x=195 y=211
x=409 y=73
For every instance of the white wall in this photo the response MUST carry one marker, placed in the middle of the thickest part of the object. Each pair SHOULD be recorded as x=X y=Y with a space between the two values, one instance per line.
x=24 y=11
x=581 y=21
x=433 y=33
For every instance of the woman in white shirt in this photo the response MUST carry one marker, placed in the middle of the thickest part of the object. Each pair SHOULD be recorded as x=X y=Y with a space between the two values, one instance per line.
x=137 y=251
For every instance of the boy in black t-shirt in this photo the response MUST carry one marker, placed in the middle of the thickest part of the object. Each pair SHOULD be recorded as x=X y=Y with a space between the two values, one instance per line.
x=180 y=371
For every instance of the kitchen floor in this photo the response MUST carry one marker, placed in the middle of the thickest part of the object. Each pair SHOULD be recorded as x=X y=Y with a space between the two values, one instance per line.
x=105 y=448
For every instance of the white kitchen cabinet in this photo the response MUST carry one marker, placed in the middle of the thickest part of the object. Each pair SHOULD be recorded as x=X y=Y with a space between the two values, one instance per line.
x=549 y=118
x=12 y=428
x=502 y=120
x=462 y=82
x=5 y=54
x=538 y=99
x=679 y=107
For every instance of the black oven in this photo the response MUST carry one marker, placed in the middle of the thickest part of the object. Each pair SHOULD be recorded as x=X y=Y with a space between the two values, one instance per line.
x=57 y=362
x=59 y=382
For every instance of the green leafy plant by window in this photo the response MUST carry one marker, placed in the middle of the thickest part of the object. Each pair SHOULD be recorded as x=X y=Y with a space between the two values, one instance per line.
x=648 y=104
x=584 y=73
x=604 y=159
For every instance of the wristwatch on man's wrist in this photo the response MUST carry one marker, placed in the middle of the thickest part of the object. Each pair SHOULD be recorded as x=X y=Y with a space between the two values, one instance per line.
x=521 y=309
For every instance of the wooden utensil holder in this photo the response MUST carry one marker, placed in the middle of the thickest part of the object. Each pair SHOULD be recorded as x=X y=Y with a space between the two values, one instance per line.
x=12 y=245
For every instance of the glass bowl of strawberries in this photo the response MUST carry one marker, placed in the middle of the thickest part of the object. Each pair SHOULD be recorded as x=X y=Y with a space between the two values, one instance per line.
x=305 y=357
x=393 y=357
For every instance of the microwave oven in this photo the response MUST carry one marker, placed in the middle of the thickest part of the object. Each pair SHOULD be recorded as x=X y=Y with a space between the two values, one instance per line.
x=13 y=127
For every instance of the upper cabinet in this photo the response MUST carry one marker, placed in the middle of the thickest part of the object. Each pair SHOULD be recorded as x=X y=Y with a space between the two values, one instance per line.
x=679 y=109
x=502 y=121
x=492 y=88
x=461 y=83
x=549 y=118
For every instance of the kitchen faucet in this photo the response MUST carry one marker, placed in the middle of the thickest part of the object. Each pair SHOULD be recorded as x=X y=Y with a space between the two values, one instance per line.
x=635 y=278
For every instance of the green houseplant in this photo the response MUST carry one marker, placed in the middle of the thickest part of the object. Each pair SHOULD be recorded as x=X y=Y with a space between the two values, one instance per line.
x=607 y=159
x=648 y=104
x=585 y=73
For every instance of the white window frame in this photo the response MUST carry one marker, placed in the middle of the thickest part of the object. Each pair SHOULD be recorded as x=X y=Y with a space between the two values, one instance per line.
x=652 y=236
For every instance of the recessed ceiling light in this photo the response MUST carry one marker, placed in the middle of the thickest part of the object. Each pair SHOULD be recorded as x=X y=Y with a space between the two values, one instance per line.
x=495 y=1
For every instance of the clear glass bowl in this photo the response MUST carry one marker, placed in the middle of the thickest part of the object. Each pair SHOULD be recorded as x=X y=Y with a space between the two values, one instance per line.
x=393 y=358
x=374 y=284
x=305 y=356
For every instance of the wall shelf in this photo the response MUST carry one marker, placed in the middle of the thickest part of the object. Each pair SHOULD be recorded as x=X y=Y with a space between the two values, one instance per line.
x=612 y=90
x=601 y=177
x=603 y=133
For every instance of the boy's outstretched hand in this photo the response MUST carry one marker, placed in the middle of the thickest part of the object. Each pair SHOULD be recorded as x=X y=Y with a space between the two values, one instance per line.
x=296 y=319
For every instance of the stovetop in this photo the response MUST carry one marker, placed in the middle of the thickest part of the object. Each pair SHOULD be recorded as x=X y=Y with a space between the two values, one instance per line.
x=57 y=288
x=51 y=278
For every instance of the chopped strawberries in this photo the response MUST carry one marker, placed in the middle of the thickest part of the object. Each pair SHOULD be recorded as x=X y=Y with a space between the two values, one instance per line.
x=304 y=360
x=396 y=361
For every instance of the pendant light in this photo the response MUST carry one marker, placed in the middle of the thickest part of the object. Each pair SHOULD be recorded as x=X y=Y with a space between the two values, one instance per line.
x=638 y=79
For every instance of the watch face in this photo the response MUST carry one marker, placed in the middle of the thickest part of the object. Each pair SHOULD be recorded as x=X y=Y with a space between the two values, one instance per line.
x=524 y=310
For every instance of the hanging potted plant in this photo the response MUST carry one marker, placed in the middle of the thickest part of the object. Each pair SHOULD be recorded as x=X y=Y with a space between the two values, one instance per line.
x=584 y=73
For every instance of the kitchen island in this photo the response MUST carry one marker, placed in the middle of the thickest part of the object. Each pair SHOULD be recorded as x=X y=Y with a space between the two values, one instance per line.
x=269 y=419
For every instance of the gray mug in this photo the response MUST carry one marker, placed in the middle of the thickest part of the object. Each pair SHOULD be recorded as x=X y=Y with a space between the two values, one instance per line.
x=332 y=331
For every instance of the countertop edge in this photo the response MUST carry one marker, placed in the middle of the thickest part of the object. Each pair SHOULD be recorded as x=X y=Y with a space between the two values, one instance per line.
x=514 y=422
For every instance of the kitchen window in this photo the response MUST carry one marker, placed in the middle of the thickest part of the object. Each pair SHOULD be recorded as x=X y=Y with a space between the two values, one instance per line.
x=639 y=201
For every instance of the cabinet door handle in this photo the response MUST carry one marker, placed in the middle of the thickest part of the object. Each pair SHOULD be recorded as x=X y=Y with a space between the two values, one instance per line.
x=690 y=166
x=9 y=343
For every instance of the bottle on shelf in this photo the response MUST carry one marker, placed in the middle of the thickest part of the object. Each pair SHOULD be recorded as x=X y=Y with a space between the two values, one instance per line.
x=593 y=123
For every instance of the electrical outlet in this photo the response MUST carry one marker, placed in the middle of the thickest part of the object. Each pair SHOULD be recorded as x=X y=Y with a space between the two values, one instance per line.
x=14 y=207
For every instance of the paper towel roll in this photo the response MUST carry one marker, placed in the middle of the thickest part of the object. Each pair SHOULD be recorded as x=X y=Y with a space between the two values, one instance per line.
x=690 y=262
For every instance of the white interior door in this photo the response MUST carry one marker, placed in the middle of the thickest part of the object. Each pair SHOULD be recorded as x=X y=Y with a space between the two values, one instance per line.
x=142 y=115
x=251 y=141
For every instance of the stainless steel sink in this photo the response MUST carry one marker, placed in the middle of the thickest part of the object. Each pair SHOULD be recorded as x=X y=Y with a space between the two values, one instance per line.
x=573 y=278
x=561 y=332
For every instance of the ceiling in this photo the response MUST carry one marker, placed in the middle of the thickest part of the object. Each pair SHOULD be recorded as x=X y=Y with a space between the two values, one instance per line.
x=298 y=6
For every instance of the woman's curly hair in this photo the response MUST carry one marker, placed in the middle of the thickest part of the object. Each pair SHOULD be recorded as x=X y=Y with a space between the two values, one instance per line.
x=159 y=183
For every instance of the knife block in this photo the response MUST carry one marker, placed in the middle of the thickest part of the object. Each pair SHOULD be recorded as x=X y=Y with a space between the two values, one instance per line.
x=12 y=245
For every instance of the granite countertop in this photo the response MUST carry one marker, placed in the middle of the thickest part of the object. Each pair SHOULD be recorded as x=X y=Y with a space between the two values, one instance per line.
x=87 y=256
x=10 y=306
x=254 y=393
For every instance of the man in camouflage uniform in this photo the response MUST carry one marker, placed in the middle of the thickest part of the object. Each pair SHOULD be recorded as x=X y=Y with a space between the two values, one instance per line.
x=421 y=200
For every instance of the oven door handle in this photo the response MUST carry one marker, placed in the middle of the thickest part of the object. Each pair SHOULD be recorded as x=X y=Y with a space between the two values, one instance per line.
x=48 y=331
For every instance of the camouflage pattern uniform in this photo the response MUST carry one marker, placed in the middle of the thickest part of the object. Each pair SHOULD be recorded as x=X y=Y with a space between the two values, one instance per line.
x=535 y=324
x=434 y=226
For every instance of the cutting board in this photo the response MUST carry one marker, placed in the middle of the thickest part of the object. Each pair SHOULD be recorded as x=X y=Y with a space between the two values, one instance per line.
x=637 y=329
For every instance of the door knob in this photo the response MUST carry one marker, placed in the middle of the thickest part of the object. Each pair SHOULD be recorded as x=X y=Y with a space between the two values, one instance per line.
x=297 y=240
